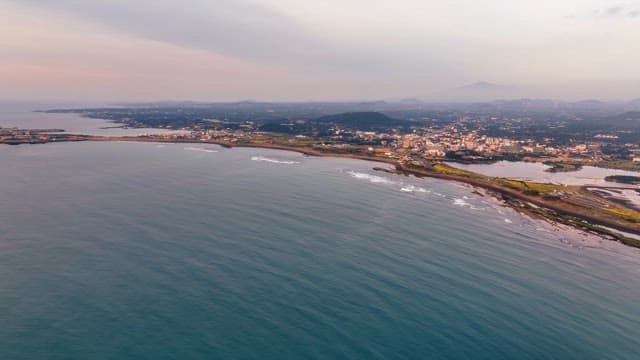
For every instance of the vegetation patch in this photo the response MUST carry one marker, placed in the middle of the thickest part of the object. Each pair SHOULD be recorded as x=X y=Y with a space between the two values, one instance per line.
x=446 y=169
x=562 y=166
x=533 y=187
x=627 y=213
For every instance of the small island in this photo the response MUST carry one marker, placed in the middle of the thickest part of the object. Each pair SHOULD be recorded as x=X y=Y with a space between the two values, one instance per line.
x=623 y=179
x=559 y=166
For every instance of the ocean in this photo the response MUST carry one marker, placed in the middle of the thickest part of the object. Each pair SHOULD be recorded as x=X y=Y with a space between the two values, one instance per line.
x=174 y=251
x=29 y=116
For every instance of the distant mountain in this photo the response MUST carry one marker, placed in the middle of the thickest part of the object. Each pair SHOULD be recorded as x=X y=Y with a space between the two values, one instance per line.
x=409 y=101
x=628 y=116
x=478 y=92
x=634 y=104
x=590 y=104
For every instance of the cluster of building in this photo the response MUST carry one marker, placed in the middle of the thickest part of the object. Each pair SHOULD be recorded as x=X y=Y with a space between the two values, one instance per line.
x=429 y=142
x=438 y=144
x=14 y=133
x=435 y=143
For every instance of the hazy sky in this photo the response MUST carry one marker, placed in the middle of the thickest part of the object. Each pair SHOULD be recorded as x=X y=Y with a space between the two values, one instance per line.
x=323 y=50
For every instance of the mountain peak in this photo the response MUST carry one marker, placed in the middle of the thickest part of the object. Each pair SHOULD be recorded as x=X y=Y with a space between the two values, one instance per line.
x=482 y=84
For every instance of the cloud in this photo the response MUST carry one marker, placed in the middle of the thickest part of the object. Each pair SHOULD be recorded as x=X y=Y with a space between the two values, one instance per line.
x=618 y=11
x=252 y=31
x=243 y=29
x=226 y=27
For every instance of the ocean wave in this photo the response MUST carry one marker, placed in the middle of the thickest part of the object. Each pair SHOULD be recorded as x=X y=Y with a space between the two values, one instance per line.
x=274 y=161
x=375 y=179
x=412 y=189
x=461 y=202
x=200 y=149
x=372 y=178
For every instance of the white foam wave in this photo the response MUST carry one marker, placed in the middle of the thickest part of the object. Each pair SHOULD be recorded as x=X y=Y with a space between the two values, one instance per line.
x=375 y=179
x=412 y=189
x=372 y=178
x=201 y=149
x=274 y=161
x=508 y=221
x=461 y=202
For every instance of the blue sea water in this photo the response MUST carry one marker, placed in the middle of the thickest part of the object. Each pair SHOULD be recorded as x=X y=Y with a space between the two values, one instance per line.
x=149 y=251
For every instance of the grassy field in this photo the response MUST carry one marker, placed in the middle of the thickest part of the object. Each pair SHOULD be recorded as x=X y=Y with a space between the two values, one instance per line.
x=627 y=213
x=618 y=164
x=533 y=186
x=446 y=169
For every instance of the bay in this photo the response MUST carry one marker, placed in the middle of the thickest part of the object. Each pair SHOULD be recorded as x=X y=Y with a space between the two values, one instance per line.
x=164 y=251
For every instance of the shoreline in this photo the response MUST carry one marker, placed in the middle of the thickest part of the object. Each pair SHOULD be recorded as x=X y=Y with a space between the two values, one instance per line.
x=523 y=202
x=301 y=150
x=311 y=152
x=530 y=205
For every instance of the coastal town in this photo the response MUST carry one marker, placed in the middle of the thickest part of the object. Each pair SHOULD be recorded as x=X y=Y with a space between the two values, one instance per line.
x=450 y=142
x=574 y=134
x=447 y=144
